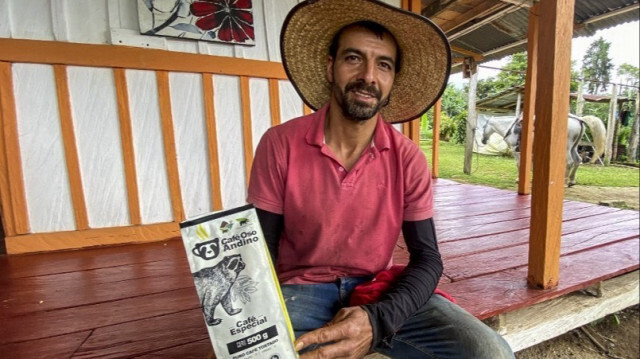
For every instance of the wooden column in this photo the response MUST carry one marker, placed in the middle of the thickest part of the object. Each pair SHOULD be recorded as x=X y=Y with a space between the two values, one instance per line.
x=611 y=124
x=580 y=98
x=526 y=139
x=412 y=128
x=435 y=144
x=471 y=117
x=552 y=109
x=518 y=103
x=635 y=128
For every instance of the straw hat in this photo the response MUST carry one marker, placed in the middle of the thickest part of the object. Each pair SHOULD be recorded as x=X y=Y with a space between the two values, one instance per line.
x=426 y=56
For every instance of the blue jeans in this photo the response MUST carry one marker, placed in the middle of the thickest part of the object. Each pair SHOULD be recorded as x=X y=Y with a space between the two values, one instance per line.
x=440 y=329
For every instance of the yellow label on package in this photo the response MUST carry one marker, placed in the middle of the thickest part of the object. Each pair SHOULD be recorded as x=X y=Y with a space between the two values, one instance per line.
x=237 y=286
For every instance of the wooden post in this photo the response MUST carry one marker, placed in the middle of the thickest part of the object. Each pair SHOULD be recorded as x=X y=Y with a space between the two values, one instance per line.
x=472 y=117
x=611 y=124
x=518 y=103
x=552 y=109
x=414 y=6
x=526 y=139
x=616 y=134
x=635 y=133
x=580 y=98
x=435 y=144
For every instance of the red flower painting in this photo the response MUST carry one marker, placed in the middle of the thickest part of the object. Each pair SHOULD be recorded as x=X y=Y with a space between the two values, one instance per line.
x=233 y=19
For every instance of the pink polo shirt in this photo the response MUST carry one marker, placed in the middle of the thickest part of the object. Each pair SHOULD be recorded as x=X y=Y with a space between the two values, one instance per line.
x=338 y=223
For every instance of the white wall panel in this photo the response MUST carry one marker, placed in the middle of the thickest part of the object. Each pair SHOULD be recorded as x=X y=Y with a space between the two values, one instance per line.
x=260 y=109
x=396 y=3
x=230 y=142
x=290 y=102
x=88 y=21
x=128 y=11
x=151 y=167
x=5 y=19
x=41 y=149
x=97 y=130
x=31 y=19
x=275 y=13
x=258 y=51
x=191 y=142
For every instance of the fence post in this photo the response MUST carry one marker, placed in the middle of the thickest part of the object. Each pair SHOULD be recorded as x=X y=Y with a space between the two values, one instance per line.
x=611 y=125
x=471 y=116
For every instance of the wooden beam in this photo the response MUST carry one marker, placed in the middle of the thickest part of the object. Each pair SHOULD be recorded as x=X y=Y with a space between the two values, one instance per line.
x=212 y=141
x=169 y=143
x=435 y=143
x=70 y=148
x=526 y=140
x=505 y=47
x=552 y=108
x=623 y=10
x=504 y=9
x=247 y=136
x=52 y=52
x=476 y=56
x=14 y=212
x=65 y=240
x=484 y=8
x=520 y=3
x=274 y=101
x=128 y=152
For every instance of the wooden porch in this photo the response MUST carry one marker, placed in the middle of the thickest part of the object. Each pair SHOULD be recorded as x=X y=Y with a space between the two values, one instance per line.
x=139 y=300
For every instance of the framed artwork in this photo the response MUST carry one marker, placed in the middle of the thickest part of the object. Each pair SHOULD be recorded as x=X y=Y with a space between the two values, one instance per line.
x=228 y=21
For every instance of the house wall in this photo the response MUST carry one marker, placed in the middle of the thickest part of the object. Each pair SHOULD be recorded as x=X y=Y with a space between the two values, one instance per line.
x=97 y=129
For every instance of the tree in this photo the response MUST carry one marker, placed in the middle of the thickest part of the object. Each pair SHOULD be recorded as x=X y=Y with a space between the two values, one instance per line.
x=597 y=65
x=631 y=76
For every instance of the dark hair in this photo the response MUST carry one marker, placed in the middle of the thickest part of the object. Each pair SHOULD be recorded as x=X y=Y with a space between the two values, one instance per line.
x=375 y=28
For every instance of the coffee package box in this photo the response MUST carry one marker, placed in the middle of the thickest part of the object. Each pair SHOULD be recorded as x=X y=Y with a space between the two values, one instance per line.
x=241 y=300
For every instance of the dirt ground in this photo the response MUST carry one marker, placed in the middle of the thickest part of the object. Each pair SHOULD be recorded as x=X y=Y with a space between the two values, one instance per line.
x=621 y=197
x=617 y=335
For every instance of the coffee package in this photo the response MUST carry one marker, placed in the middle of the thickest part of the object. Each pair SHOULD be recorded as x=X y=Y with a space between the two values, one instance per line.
x=241 y=300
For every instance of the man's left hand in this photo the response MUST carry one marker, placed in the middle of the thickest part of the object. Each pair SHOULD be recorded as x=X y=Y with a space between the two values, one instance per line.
x=349 y=333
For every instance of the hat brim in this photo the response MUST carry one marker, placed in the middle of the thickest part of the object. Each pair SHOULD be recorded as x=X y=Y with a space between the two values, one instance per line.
x=426 y=55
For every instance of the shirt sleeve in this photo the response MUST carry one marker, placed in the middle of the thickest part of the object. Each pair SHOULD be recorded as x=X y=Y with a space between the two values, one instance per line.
x=418 y=194
x=413 y=288
x=268 y=175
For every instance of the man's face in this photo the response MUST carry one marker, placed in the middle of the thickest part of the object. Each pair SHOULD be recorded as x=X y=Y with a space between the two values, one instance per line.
x=362 y=73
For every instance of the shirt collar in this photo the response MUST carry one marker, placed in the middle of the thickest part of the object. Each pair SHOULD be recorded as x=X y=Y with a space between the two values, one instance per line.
x=315 y=134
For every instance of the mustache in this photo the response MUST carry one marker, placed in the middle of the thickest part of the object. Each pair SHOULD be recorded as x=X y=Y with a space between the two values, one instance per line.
x=361 y=86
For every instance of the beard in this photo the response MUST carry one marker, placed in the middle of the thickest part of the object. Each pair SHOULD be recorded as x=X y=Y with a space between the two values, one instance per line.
x=355 y=110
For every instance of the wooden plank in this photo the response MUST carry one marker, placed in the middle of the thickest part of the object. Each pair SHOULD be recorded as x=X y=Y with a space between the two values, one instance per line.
x=552 y=108
x=61 y=346
x=145 y=336
x=247 y=136
x=526 y=145
x=481 y=263
x=527 y=327
x=23 y=266
x=128 y=152
x=199 y=349
x=212 y=141
x=483 y=7
x=53 y=52
x=478 y=208
x=169 y=142
x=51 y=292
x=11 y=150
x=8 y=111
x=68 y=320
x=508 y=290
x=63 y=240
x=274 y=101
x=435 y=142
x=70 y=148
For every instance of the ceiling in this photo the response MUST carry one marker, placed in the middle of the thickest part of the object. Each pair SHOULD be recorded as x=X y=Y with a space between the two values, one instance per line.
x=491 y=29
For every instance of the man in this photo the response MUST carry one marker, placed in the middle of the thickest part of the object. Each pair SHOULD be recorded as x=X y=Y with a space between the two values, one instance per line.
x=333 y=189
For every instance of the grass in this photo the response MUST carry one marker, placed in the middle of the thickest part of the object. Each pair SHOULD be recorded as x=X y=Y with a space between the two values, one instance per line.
x=501 y=171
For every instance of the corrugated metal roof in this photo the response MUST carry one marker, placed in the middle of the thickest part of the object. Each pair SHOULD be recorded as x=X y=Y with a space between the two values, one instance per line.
x=508 y=34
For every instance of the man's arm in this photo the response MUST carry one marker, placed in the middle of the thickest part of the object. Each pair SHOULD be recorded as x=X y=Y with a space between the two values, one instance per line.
x=272 y=226
x=415 y=285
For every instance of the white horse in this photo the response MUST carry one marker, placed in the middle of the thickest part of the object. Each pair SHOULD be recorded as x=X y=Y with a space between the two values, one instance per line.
x=575 y=131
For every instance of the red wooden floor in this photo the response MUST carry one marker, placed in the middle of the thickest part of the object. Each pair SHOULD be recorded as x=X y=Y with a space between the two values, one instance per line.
x=139 y=301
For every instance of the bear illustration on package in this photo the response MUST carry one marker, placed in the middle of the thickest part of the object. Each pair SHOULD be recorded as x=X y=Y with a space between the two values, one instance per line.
x=214 y=284
x=207 y=250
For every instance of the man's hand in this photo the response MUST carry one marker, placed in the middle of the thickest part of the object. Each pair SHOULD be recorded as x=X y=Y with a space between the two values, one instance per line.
x=349 y=333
